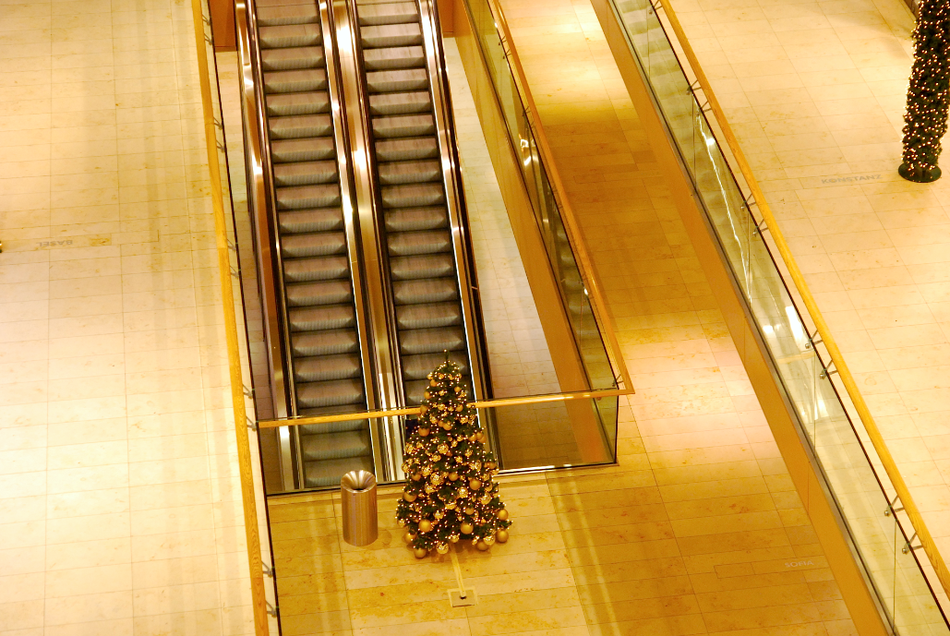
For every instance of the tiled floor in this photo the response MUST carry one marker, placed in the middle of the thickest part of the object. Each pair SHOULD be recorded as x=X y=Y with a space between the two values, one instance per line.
x=816 y=94
x=119 y=511
x=697 y=531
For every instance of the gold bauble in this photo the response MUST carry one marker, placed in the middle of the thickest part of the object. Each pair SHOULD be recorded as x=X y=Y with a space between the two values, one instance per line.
x=485 y=500
x=426 y=395
x=458 y=389
x=409 y=537
x=442 y=548
x=408 y=497
x=474 y=484
x=482 y=546
x=425 y=525
x=466 y=528
x=430 y=489
x=416 y=476
x=502 y=514
x=489 y=539
x=454 y=538
x=420 y=553
x=436 y=479
x=444 y=448
x=501 y=536
x=422 y=409
x=433 y=383
x=469 y=511
x=453 y=476
x=424 y=432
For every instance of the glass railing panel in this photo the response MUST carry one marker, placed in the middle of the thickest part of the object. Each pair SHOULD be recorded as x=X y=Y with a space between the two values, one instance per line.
x=851 y=468
x=580 y=314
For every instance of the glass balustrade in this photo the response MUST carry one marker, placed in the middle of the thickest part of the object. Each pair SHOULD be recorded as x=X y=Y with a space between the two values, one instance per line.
x=853 y=472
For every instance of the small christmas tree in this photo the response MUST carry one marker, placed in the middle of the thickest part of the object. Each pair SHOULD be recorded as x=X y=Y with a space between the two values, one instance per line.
x=450 y=494
x=928 y=96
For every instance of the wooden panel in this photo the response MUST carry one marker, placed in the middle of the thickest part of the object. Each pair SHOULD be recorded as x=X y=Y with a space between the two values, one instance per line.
x=222 y=24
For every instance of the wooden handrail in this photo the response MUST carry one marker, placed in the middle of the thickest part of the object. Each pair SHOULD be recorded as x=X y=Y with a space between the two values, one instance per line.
x=586 y=268
x=485 y=404
x=847 y=379
x=255 y=565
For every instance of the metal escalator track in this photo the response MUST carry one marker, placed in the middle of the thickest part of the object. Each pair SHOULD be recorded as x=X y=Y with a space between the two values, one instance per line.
x=413 y=213
x=321 y=309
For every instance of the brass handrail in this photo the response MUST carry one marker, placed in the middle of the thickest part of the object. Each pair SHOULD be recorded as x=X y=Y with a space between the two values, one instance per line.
x=484 y=404
x=255 y=564
x=586 y=267
x=926 y=540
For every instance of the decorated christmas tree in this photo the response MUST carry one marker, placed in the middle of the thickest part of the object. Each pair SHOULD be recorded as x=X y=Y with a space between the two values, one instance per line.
x=928 y=95
x=450 y=494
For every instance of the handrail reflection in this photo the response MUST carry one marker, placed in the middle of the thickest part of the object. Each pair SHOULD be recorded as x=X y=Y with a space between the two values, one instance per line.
x=485 y=404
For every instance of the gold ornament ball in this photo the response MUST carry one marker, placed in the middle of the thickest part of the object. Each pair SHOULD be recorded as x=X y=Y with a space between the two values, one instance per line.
x=489 y=539
x=482 y=546
x=485 y=500
x=409 y=537
x=430 y=488
x=420 y=553
x=416 y=476
x=466 y=528
x=501 y=536
x=433 y=383
x=425 y=525
x=408 y=497
x=502 y=514
x=469 y=511
x=474 y=484
x=442 y=548
x=424 y=432
x=453 y=476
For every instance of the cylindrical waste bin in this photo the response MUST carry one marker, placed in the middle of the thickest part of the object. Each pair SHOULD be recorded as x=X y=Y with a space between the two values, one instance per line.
x=358 y=491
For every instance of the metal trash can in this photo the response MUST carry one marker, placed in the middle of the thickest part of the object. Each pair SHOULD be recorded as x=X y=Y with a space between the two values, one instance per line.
x=358 y=491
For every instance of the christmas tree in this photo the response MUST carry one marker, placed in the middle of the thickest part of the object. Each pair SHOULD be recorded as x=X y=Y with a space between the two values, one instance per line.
x=450 y=494
x=927 y=95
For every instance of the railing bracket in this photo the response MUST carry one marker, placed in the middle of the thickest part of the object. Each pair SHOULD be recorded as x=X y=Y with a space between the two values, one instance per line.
x=273 y=610
x=909 y=545
x=269 y=570
x=251 y=424
x=891 y=509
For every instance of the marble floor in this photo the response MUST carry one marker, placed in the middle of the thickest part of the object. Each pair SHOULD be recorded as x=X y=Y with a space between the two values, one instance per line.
x=816 y=92
x=120 y=511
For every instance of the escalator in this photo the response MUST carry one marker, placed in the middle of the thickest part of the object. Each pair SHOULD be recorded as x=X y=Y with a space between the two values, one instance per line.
x=323 y=344
x=413 y=209
x=370 y=277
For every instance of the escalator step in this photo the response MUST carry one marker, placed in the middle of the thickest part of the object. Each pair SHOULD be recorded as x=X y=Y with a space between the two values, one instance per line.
x=286 y=104
x=292 y=59
x=417 y=367
x=323 y=343
x=427 y=266
x=334 y=427
x=308 y=79
x=316 y=244
x=403 y=126
x=416 y=341
x=400 y=103
x=318 y=220
x=390 y=35
x=298 y=126
x=282 y=37
x=325 y=368
x=411 y=79
x=322 y=318
x=388 y=13
x=289 y=150
x=300 y=270
x=424 y=291
x=336 y=446
x=428 y=316
x=288 y=14
x=407 y=149
x=316 y=196
x=416 y=243
x=392 y=58
x=333 y=393
x=327 y=473
x=305 y=173
x=410 y=196
x=414 y=219
x=403 y=172
x=317 y=293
